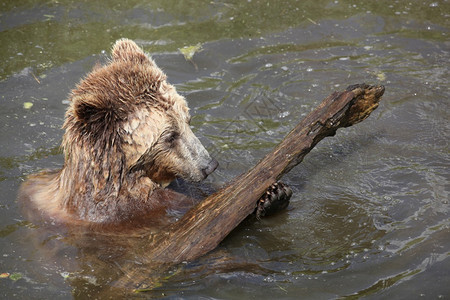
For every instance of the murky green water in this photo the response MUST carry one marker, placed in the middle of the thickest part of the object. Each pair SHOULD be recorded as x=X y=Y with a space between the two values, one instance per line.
x=370 y=211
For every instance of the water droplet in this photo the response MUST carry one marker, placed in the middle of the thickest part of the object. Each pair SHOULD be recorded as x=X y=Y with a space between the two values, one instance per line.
x=284 y=114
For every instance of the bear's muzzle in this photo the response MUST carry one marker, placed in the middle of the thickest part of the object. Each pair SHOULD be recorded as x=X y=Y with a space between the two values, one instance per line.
x=212 y=165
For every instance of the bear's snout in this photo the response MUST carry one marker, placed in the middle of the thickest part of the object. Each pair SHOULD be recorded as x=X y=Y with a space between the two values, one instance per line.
x=212 y=165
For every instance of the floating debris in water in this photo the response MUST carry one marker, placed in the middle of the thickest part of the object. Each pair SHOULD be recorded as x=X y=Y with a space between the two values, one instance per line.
x=15 y=276
x=381 y=76
x=189 y=51
x=27 y=105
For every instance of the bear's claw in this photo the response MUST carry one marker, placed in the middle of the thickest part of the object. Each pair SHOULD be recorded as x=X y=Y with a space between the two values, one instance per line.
x=273 y=200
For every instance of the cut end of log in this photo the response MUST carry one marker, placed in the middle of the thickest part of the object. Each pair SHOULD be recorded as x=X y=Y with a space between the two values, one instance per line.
x=367 y=99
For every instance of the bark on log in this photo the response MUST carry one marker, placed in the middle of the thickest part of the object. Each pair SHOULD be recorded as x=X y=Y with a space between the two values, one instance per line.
x=203 y=227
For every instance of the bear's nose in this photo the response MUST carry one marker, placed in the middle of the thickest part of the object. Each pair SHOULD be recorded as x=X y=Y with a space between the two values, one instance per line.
x=212 y=165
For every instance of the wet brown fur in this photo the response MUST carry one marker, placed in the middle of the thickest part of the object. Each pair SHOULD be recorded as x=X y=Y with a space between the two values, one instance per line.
x=120 y=145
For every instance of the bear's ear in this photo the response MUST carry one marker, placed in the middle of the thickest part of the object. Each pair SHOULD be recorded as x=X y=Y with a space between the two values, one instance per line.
x=93 y=113
x=92 y=121
x=86 y=112
x=126 y=50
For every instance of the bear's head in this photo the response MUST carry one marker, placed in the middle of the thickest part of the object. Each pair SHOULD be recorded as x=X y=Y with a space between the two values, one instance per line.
x=125 y=118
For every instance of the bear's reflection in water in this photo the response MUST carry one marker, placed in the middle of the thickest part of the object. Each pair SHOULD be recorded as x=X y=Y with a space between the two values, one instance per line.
x=94 y=257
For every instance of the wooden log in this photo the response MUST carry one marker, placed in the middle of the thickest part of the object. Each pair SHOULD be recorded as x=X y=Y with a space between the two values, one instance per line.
x=203 y=227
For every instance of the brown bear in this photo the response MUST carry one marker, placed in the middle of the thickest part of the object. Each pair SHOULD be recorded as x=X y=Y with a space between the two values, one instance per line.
x=127 y=136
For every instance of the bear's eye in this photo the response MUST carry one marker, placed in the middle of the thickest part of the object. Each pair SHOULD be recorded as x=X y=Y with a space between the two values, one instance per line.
x=172 y=137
